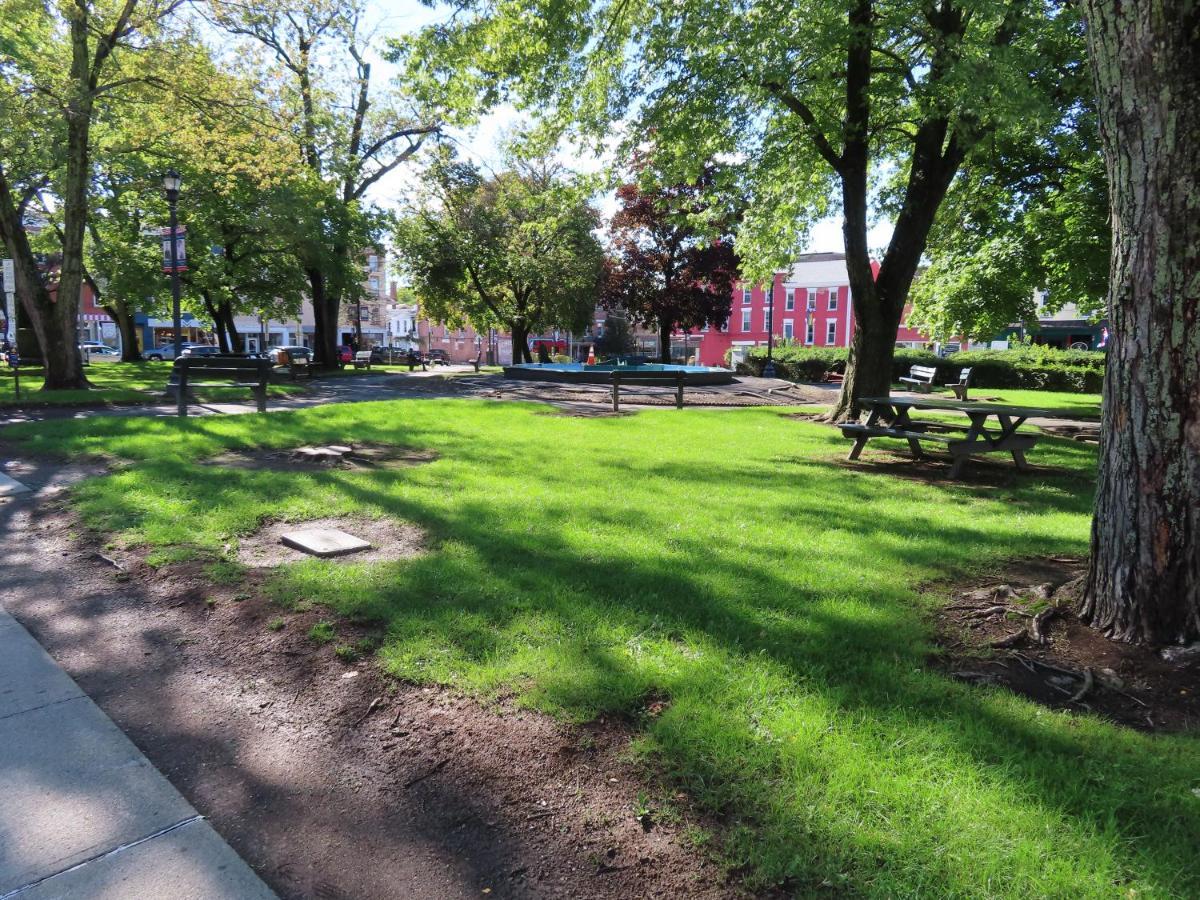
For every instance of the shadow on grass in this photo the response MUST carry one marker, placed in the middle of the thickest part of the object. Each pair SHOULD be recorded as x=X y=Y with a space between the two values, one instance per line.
x=728 y=565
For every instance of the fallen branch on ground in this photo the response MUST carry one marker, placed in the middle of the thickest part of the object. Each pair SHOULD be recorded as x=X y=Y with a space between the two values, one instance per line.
x=108 y=559
x=371 y=707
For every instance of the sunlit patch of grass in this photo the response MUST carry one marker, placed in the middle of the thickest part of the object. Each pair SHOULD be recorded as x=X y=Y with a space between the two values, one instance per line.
x=730 y=566
x=120 y=383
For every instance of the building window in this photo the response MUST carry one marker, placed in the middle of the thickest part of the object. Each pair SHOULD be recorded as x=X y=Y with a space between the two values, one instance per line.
x=704 y=330
x=745 y=320
x=808 y=332
x=789 y=301
x=812 y=299
x=831 y=332
x=745 y=299
x=766 y=320
x=787 y=329
x=833 y=299
x=373 y=262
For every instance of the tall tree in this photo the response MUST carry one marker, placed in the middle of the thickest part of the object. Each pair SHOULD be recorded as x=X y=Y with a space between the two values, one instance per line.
x=515 y=251
x=664 y=270
x=81 y=60
x=817 y=99
x=350 y=132
x=1143 y=580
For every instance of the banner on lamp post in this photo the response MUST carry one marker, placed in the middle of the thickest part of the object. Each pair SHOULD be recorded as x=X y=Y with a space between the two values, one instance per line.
x=180 y=248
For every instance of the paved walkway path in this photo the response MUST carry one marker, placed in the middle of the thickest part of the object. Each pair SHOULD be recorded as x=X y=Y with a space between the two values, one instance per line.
x=83 y=814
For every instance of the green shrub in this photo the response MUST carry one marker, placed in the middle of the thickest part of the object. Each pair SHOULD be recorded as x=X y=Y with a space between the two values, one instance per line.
x=1033 y=367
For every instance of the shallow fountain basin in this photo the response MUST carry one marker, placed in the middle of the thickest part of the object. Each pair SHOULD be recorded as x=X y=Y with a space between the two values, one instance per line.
x=601 y=373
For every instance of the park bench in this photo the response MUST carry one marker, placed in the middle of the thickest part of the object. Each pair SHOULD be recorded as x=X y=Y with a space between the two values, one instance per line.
x=477 y=360
x=921 y=378
x=651 y=378
x=362 y=360
x=961 y=386
x=889 y=417
x=241 y=370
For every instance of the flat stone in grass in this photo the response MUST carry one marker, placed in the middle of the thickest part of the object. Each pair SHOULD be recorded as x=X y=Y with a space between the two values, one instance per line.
x=324 y=542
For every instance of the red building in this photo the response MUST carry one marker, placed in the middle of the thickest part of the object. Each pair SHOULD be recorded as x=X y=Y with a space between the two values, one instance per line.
x=811 y=306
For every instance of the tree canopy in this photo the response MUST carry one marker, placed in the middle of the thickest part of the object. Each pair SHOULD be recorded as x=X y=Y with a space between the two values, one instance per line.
x=515 y=250
x=664 y=271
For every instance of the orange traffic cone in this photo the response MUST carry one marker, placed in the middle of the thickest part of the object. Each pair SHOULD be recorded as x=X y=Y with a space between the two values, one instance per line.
x=591 y=356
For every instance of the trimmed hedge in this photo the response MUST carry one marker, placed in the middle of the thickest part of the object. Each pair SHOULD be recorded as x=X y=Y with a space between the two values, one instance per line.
x=1036 y=367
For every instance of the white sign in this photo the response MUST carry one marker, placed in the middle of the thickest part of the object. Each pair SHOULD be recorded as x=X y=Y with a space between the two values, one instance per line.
x=10 y=282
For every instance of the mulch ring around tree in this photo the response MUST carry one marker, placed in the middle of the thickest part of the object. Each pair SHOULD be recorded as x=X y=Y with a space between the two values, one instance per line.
x=324 y=456
x=1019 y=630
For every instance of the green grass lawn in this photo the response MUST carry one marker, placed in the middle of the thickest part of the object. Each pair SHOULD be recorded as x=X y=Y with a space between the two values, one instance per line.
x=731 y=562
x=114 y=382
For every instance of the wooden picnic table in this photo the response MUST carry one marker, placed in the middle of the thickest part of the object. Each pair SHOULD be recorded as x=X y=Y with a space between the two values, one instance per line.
x=993 y=428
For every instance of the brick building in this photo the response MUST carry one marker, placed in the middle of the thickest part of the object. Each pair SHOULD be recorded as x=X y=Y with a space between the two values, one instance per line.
x=811 y=306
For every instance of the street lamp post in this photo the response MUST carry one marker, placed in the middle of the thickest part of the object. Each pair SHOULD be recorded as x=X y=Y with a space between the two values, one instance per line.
x=171 y=182
x=769 y=368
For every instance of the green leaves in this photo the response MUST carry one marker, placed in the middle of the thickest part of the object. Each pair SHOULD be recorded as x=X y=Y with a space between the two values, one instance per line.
x=513 y=251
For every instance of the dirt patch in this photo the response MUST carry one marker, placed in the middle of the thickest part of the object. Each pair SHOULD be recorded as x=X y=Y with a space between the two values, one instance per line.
x=989 y=633
x=357 y=456
x=330 y=778
x=389 y=540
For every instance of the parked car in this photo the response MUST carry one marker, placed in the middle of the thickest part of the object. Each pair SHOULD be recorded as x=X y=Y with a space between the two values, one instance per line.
x=283 y=354
x=168 y=351
x=345 y=354
x=98 y=352
x=437 y=358
x=201 y=350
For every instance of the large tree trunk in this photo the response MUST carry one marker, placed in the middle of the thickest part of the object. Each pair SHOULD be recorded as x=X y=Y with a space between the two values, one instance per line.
x=1143 y=582
x=664 y=341
x=123 y=316
x=229 y=326
x=218 y=323
x=520 y=342
x=325 y=315
x=59 y=322
x=41 y=313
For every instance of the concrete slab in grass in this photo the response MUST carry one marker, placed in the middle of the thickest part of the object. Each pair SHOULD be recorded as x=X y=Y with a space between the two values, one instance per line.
x=10 y=486
x=190 y=862
x=74 y=788
x=29 y=678
x=323 y=542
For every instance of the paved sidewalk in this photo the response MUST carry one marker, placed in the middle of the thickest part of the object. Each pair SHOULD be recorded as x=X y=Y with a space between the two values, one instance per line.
x=83 y=814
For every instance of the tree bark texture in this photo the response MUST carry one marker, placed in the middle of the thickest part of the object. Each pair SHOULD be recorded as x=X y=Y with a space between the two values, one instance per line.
x=120 y=313
x=325 y=321
x=1143 y=582
x=664 y=341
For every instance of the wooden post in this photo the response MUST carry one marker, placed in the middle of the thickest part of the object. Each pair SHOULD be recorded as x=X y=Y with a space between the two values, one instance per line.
x=182 y=388
x=679 y=390
x=616 y=377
